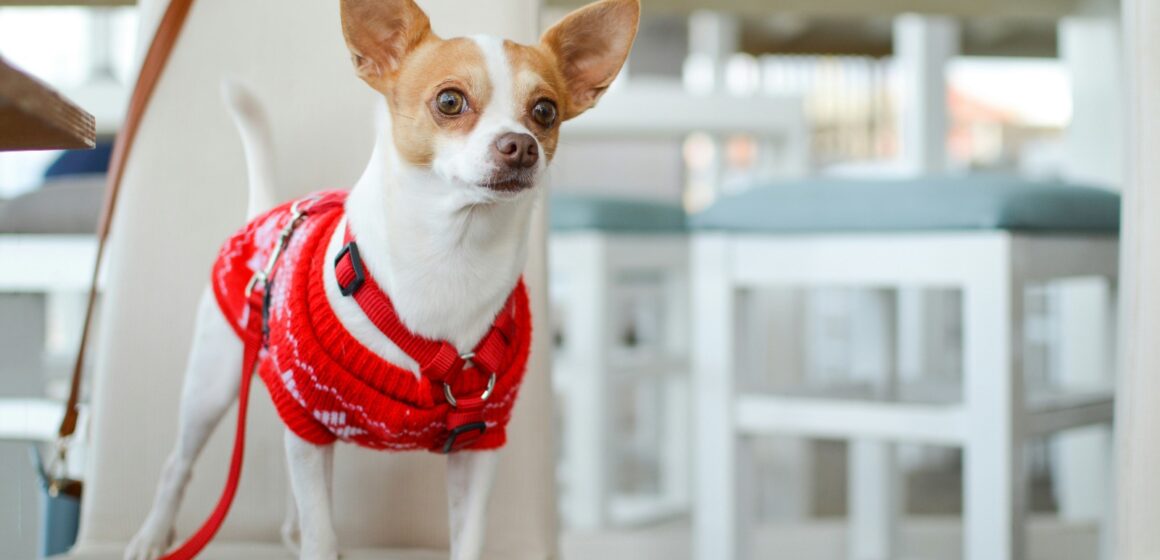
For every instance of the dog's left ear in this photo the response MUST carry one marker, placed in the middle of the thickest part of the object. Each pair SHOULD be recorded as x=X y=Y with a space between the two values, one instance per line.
x=380 y=34
x=591 y=45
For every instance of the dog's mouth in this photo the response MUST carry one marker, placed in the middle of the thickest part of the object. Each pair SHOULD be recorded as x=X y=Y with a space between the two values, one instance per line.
x=510 y=182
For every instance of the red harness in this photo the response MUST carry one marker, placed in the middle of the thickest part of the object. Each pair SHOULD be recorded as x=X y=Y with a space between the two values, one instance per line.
x=268 y=281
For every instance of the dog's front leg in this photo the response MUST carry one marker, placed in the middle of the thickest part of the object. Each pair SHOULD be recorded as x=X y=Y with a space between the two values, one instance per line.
x=469 y=478
x=310 y=468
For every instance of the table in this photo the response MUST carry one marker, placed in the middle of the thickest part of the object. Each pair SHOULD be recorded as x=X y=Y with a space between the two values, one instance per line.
x=33 y=116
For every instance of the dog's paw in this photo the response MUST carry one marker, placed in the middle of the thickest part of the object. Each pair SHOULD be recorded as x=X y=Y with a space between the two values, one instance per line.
x=148 y=544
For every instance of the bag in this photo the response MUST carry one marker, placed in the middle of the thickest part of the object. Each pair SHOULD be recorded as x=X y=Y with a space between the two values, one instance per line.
x=61 y=496
x=60 y=505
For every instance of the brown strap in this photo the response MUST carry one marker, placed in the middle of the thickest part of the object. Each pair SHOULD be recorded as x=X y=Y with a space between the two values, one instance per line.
x=151 y=69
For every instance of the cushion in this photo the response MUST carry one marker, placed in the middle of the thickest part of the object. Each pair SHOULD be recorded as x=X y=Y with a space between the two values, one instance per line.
x=929 y=203
x=576 y=212
x=67 y=205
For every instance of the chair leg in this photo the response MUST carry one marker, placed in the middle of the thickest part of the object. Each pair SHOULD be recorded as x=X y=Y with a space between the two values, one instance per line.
x=994 y=478
x=1108 y=519
x=875 y=479
x=994 y=502
x=587 y=434
x=675 y=451
x=1084 y=361
x=875 y=508
x=718 y=527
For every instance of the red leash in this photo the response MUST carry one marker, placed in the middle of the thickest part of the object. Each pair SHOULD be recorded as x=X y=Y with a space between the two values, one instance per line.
x=254 y=340
x=253 y=348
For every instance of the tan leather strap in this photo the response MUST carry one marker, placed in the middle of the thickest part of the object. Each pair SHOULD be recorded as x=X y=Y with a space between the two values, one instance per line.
x=151 y=69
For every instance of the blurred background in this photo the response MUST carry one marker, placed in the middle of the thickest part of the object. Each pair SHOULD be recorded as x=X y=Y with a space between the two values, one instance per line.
x=806 y=107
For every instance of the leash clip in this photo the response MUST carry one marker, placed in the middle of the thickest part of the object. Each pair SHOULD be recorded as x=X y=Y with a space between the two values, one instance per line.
x=297 y=215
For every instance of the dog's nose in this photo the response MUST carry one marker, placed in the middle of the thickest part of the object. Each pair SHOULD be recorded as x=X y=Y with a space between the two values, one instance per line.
x=516 y=150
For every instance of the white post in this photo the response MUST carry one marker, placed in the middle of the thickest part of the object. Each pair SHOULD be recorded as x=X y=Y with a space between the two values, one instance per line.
x=993 y=480
x=922 y=47
x=718 y=523
x=1138 y=397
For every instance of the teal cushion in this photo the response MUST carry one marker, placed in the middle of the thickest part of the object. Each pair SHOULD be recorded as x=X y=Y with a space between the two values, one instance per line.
x=931 y=203
x=575 y=212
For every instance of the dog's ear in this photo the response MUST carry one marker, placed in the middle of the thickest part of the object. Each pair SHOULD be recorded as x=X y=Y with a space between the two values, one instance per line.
x=381 y=33
x=590 y=45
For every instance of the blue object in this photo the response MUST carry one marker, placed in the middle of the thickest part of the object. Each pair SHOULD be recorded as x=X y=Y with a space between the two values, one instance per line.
x=60 y=504
x=575 y=212
x=82 y=162
x=59 y=526
x=931 y=203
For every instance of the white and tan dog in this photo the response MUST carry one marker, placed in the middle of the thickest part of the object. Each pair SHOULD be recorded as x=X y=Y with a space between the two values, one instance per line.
x=441 y=213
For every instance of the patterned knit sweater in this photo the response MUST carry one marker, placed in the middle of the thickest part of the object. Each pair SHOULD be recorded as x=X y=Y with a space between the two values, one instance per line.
x=324 y=383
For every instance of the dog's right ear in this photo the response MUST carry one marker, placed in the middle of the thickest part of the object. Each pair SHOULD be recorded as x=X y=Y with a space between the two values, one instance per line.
x=380 y=34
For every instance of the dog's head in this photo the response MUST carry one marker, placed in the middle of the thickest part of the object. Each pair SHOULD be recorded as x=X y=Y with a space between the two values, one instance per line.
x=485 y=113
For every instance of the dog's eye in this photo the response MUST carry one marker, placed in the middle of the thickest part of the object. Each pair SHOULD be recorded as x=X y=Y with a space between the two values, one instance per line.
x=450 y=102
x=545 y=113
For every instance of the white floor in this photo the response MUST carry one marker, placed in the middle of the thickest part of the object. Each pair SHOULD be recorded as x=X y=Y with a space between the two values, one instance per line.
x=926 y=538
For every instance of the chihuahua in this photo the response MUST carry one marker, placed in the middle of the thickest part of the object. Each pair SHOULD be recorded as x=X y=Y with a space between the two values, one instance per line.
x=441 y=214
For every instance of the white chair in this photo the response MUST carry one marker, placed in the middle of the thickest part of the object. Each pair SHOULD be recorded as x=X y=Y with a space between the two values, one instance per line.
x=619 y=290
x=184 y=192
x=988 y=238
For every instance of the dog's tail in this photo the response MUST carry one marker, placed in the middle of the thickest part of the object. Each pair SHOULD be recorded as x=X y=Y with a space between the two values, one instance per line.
x=258 y=143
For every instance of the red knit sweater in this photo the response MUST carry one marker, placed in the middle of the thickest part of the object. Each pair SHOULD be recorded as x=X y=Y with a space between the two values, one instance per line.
x=324 y=383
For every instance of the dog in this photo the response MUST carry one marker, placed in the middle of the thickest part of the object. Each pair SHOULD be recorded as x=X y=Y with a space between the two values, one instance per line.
x=441 y=216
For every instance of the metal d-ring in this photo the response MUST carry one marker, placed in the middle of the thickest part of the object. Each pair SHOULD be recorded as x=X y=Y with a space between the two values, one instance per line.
x=486 y=392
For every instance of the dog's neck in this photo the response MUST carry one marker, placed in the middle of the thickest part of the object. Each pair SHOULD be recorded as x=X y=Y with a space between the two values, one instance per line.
x=447 y=260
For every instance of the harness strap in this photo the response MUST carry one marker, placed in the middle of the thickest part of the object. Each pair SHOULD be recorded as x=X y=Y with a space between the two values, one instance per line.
x=439 y=361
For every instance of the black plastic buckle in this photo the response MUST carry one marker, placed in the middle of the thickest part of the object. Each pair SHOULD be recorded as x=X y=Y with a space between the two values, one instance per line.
x=449 y=446
x=360 y=272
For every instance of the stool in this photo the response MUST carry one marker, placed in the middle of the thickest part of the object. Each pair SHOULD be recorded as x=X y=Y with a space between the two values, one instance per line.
x=985 y=236
x=619 y=290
